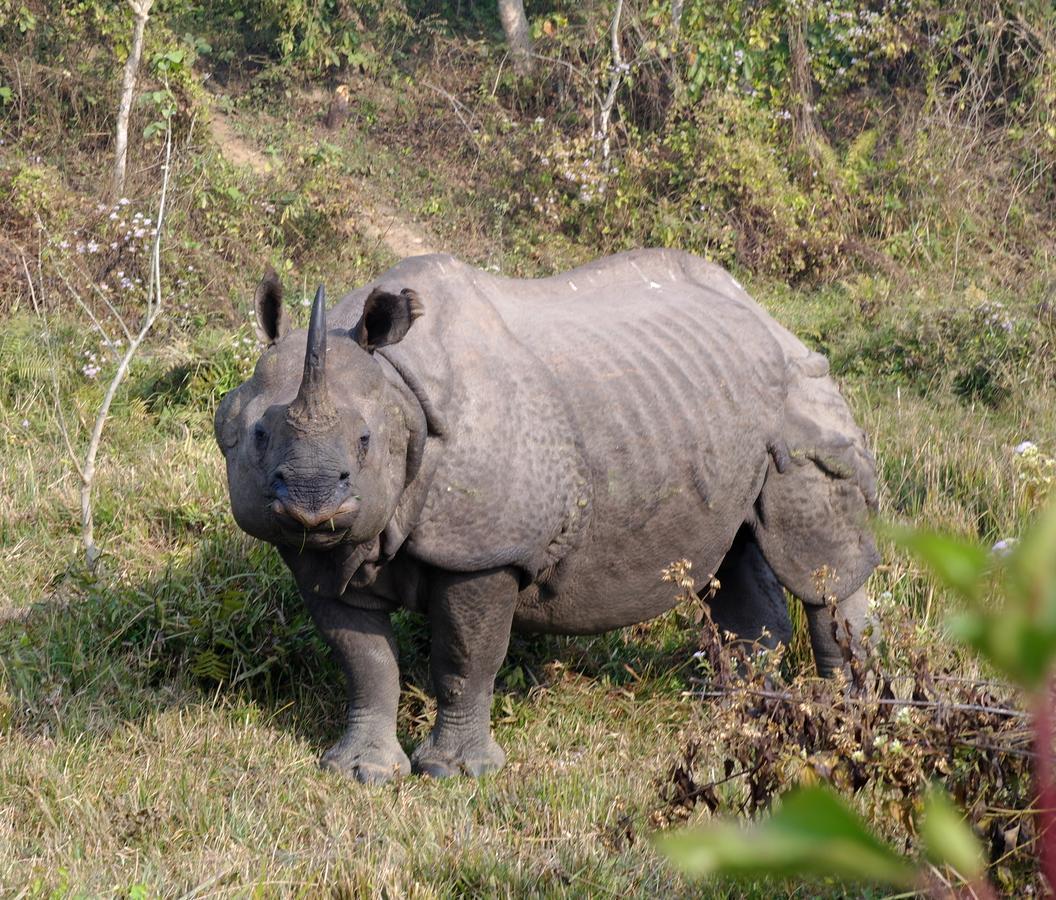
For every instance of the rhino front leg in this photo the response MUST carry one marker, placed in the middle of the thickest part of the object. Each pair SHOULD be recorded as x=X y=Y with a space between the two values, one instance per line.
x=470 y=616
x=364 y=646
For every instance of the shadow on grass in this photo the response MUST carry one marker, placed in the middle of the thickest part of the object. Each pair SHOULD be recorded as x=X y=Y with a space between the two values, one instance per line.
x=227 y=626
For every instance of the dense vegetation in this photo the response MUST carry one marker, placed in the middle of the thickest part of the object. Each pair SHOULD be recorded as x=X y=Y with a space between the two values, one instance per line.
x=881 y=174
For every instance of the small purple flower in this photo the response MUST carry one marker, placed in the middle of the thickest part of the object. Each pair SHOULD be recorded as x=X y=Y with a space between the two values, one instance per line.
x=1003 y=547
x=1024 y=447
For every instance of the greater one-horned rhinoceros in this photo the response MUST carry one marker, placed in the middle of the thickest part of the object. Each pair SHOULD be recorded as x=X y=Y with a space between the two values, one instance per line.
x=531 y=454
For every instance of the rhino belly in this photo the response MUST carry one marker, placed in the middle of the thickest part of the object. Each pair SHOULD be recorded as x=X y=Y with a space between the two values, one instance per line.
x=613 y=578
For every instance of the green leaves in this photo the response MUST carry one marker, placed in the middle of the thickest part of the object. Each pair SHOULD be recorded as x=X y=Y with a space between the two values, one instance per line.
x=948 y=839
x=812 y=833
x=1019 y=636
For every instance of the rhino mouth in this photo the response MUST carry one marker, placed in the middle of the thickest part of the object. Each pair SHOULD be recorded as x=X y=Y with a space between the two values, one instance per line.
x=301 y=539
x=328 y=522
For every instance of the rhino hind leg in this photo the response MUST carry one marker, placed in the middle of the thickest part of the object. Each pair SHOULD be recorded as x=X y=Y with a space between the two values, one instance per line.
x=470 y=616
x=750 y=602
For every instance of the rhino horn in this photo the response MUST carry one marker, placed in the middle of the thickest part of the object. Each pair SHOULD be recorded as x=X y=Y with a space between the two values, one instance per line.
x=312 y=408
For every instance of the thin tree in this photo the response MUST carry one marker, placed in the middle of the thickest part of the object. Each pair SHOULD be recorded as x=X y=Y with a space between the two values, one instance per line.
x=85 y=466
x=518 y=36
x=141 y=12
x=617 y=69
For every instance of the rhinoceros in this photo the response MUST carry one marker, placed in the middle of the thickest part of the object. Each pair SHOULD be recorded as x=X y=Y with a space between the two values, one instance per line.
x=496 y=453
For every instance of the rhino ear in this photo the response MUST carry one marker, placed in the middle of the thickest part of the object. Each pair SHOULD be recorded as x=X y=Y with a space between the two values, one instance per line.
x=272 y=321
x=225 y=421
x=386 y=318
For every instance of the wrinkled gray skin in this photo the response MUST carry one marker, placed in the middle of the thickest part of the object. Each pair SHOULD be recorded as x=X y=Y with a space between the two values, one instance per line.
x=496 y=453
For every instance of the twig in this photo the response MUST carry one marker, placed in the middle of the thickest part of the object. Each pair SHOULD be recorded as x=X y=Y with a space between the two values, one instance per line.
x=498 y=75
x=84 y=306
x=457 y=106
x=879 y=701
x=557 y=61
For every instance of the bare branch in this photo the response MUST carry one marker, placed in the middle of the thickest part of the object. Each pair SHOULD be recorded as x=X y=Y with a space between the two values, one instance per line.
x=783 y=697
x=87 y=310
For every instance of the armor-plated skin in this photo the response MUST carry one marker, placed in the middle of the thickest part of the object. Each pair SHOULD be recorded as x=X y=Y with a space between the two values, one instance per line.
x=531 y=454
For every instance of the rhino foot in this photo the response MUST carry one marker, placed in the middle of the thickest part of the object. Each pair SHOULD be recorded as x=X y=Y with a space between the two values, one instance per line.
x=368 y=759
x=436 y=762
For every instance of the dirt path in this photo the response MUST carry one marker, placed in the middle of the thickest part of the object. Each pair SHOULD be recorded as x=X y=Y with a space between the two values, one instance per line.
x=375 y=219
x=380 y=222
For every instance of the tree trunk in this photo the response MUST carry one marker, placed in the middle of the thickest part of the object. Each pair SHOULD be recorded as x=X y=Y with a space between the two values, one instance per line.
x=515 y=24
x=141 y=10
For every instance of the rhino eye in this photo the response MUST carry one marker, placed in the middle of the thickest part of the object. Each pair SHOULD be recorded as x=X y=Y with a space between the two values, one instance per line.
x=260 y=438
x=364 y=442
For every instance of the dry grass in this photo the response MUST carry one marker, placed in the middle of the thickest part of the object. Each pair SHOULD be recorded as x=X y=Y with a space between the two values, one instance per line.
x=223 y=797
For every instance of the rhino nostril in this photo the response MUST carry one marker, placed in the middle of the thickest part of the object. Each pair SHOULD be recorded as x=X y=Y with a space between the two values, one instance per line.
x=344 y=476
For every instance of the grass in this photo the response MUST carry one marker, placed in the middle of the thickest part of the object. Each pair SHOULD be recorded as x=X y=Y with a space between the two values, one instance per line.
x=160 y=723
